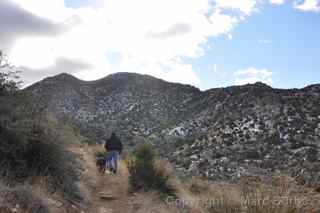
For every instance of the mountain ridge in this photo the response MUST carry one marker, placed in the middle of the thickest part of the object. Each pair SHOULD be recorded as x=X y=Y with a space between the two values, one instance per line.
x=221 y=133
x=66 y=76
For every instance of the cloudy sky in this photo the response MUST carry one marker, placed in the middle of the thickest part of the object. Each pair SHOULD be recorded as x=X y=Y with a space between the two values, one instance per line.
x=206 y=43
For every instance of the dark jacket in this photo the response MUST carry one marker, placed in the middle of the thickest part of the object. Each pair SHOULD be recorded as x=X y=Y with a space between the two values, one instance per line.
x=113 y=144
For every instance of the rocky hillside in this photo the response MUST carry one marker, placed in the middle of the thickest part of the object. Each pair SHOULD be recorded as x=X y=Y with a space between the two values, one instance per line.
x=127 y=103
x=223 y=133
x=252 y=130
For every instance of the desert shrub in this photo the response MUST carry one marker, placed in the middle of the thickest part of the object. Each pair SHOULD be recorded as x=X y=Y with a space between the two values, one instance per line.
x=23 y=157
x=101 y=152
x=21 y=197
x=198 y=186
x=147 y=171
x=178 y=142
x=125 y=156
x=32 y=146
x=88 y=140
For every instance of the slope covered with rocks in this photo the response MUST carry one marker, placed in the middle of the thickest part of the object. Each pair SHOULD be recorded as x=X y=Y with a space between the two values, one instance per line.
x=223 y=133
x=130 y=104
x=253 y=130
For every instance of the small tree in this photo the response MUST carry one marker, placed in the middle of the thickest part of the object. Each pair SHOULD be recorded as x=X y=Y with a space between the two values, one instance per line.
x=147 y=171
x=9 y=76
x=8 y=86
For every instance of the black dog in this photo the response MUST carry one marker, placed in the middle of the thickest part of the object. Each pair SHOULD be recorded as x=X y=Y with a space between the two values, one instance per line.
x=101 y=164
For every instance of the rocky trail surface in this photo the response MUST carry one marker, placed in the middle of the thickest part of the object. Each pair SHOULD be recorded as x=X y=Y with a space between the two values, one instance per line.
x=111 y=192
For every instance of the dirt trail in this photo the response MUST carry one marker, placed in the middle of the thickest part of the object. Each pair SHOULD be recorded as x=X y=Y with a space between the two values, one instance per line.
x=115 y=186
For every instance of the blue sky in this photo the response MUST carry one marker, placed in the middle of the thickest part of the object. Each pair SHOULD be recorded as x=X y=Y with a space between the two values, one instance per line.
x=278 y=38
x=206 y=43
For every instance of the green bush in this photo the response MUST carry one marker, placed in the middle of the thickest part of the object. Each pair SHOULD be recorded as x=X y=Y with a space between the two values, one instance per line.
x=147 y=171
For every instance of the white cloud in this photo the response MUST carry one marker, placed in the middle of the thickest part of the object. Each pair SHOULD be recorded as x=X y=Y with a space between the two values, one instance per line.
x=308 y=5
x=276 y=2
x=150 y=36
x=244 y=6
x=221 y=23
x=253 y=75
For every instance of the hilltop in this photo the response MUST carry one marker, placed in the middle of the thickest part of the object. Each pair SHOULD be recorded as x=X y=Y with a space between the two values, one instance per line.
x=126 y=102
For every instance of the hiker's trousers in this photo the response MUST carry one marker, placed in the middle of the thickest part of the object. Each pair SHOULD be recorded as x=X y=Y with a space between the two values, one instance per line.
x=112 y=160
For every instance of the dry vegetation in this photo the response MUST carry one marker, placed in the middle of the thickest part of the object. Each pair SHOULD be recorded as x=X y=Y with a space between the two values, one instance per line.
x=281 y=195
x=34 y=157
x=35 y=169
x=148 y=172
x=276 y=194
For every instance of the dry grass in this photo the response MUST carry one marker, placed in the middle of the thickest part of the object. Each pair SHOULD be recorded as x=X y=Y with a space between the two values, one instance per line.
x=282 y=195
x=149 y=202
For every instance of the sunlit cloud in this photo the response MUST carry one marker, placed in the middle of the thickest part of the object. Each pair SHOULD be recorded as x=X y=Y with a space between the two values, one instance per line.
x=277 y=2
x=244 y=6
x=308 y=5
x=150 y=37
x=252 y=75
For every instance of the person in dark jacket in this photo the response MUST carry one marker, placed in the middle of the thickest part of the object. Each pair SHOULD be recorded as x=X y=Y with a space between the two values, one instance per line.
x=114 y=148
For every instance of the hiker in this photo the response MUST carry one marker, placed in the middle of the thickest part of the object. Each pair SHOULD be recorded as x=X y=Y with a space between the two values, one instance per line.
x=113 y=146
